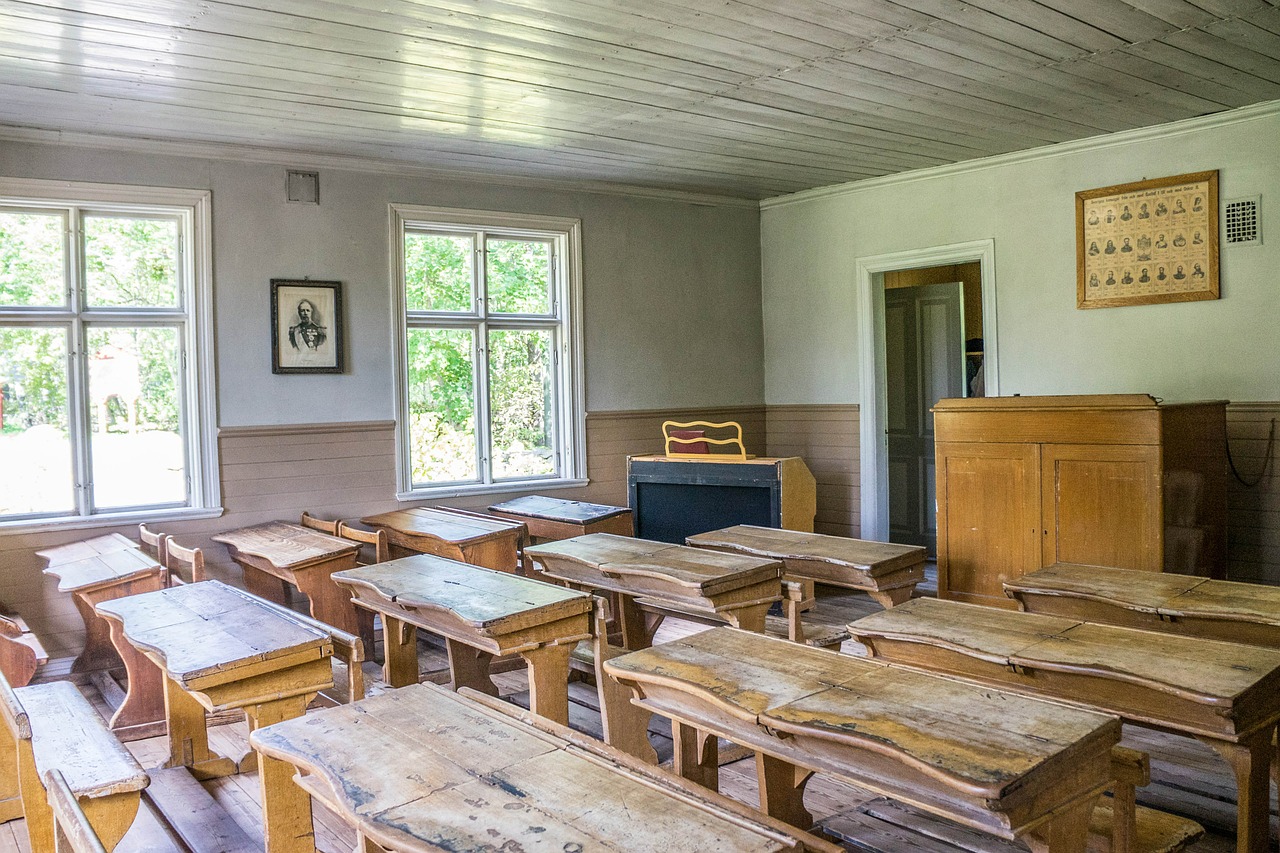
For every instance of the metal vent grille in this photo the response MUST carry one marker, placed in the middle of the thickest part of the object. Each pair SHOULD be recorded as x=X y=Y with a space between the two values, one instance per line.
x=302 y=187
x=1243 y=221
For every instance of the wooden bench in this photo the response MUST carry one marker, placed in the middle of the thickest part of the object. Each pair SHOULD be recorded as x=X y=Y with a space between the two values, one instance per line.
x=21 y=652
x=52 y=726
x=72 y=831
x=1008 y=764
x=1225 y=694
x=886 y=572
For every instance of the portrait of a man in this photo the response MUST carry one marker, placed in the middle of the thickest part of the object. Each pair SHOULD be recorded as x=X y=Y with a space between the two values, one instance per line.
x=306 y=326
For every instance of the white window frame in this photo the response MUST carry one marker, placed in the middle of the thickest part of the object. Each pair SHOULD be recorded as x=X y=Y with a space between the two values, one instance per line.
x=193 y=210
x=570 y=412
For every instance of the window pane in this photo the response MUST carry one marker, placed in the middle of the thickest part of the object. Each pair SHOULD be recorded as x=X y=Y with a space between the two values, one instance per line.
x=521 y=403
x=35 y=449
x=131 y=261
x=138 y=454
x=438 y=271
x=519 y=276
x=442 y=405
x=32 y=258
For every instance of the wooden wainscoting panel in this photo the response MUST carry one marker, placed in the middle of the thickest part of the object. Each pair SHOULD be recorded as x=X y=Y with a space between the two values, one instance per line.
x=826 y=437
x=1253 y=514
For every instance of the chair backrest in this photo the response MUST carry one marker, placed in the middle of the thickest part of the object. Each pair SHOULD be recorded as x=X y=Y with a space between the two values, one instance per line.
x=152 y=543
x=376 y=538
x=176 y=558
x=73 y=833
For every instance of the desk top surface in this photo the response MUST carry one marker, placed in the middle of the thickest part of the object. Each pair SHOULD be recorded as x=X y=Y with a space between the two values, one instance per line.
x=397 y=766
x=874 y=558
x=1208 y=672
x=87 y=548
x=1155 y=592
x=619 y=560
x=490 y=601
x=980 y=741
x=444 y=525
x=207 y=631
x=285 y=545
x=102 y=569
x=555 y=509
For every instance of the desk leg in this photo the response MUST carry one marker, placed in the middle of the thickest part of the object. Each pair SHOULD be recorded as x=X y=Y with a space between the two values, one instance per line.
x=265 y=585
x=189 y=736
x=696 y=755
x=327 y=601
x=889 y=598
x=626 y=725
x=469 y=667
x=748 y=618
x=1250 y=760
x=782 y=790
x=286 y=808
x=549 y=681
x=98 y=652
x=638 y=627
x=1066 y=831
x=143 y=704
x=400 y=648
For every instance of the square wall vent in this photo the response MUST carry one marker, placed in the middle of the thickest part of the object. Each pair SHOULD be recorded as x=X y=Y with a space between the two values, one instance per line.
x=1243 y=221
x=302 y=187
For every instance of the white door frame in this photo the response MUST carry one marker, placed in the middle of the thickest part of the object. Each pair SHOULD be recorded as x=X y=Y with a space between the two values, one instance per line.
x=871 y=416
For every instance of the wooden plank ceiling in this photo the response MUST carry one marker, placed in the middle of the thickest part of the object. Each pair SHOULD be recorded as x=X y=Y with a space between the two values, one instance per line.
x=751 y=98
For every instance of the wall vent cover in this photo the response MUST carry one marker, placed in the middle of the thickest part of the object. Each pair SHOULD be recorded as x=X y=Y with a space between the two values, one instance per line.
x=1244 y=221
x=302 y=187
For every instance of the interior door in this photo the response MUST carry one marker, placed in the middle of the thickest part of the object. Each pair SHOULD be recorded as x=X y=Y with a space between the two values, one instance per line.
x=924 y=362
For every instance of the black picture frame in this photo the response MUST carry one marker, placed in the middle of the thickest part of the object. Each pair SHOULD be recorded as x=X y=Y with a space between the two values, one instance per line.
x=306 y=339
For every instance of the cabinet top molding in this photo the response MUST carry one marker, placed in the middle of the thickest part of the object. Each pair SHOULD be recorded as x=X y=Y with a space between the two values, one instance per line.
x=1066 y=401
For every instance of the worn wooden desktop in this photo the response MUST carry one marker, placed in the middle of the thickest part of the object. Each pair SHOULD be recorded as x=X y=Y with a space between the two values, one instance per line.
x=222 y=648
x=396 y=768
x=738 y=589
x=1178 y=604
x=553 y=518
x=1225 y=694
x=480 y=613
x=277 y=552
x=887 y=572
x=1007 y=764
x=469 y=537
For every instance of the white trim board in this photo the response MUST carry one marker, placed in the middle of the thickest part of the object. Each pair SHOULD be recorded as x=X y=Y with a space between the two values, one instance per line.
x=874 y=476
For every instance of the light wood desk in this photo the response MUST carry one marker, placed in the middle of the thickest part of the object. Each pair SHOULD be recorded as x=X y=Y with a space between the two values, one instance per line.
x=277 y=552
x=887 y=572
x=396 y=767
x=490 y=542
x=738 y=589
x=480 y=613
x=221 y=648
x=1178 y=604
x=1225 y=694
x=553 y=518
x=1008 y=764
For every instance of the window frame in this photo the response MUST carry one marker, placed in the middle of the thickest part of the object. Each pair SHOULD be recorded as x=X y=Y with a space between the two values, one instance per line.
x=570 y=412
x=192 y=209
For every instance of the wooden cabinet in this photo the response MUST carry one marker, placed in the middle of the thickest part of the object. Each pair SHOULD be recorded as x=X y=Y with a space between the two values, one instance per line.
x=1110 y=480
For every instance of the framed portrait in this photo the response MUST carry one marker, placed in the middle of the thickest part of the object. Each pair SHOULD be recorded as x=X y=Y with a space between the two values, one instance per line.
x=1148 y=242
x=306 y=326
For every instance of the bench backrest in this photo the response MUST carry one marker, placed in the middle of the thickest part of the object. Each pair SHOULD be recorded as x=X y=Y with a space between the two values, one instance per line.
x=72 y=834
x=152 y=543
x=339 y=528
x=181 y=559
x=21 y=653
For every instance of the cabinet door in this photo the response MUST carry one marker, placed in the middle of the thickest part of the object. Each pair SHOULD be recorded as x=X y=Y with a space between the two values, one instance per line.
x=1102 y=505
x=988 y=518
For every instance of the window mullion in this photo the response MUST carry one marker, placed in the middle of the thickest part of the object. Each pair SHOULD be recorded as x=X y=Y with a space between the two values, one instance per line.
x=484 y=432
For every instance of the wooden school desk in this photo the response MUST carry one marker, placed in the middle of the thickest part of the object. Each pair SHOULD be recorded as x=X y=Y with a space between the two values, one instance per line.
x=490 y=542
x=738 y=589
x=221 y=648
x=480 y=613
x=1010 y=765
x=1225 y=694
x=553 y=518
x=422 y=769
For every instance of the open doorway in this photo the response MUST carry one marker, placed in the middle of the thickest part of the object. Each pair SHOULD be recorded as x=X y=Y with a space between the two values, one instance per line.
x=927 y=330
x=933 y=349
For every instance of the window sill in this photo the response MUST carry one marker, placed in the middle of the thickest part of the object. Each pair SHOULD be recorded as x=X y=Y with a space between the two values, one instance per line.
x=117 y=519
x=489 y=489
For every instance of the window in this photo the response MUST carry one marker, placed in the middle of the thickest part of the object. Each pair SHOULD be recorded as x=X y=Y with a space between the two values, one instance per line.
x=489 y=369
x=104 y=299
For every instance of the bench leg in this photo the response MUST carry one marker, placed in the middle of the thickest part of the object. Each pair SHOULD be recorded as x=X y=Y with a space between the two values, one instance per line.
x=286 y=808
x=400 y=651
x=469 y=667
x=144 y=702
x=1067 y=831
x=35 y=802
x=625 y=724
x=888 y=598
x=112 y=815
x=1251 y=763
x=782 y=790
x=189 y=736
x=748 y=618
x=10 y=772
x=549 y=682
x=638 y=627
x=696 y=755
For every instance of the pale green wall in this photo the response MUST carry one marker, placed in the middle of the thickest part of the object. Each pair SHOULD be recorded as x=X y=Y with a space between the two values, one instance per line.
x=667 y=283
x=1215 y=349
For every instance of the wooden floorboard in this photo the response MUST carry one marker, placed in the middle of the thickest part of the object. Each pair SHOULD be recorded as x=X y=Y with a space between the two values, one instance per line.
x=1188 y=778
